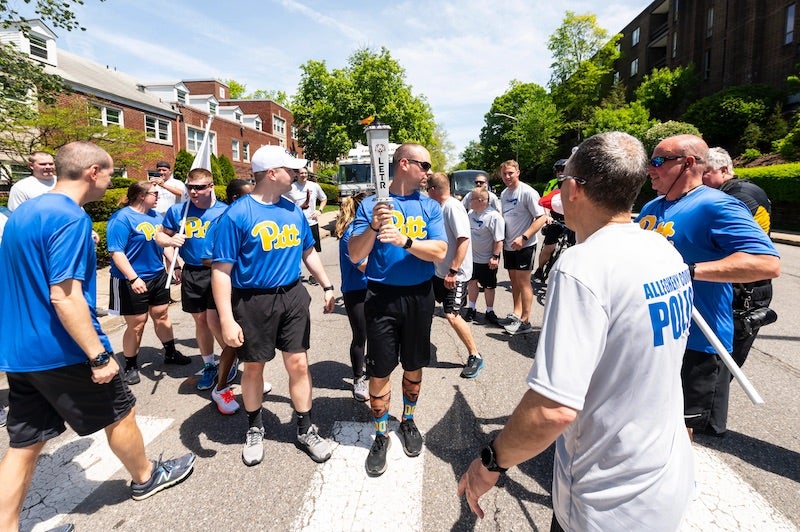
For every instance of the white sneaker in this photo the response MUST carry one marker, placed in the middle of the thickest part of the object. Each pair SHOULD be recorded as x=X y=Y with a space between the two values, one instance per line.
x=514 y=326
x=226 y=402
x=253 y=451
x=267 y=387
x=361 y=389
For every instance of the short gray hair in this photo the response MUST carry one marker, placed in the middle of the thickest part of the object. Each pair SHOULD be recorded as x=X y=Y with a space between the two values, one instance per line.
x=719 y=157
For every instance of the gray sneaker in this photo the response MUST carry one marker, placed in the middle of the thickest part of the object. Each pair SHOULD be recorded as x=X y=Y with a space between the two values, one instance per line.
x=508 y=320
x=361 y=389
x=314 y=445
x=512 y=327
x=522 y=328
x=253 y=451
x=3 y=416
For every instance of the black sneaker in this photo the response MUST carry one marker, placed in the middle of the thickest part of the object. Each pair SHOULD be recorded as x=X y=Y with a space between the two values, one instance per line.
x=131 y=376
x=508 y=320
x=177 y=358
x=165 y=474
x=469 y=315
x=473 y=367
x=492 y=318
x=410 y=437
x=376 y=459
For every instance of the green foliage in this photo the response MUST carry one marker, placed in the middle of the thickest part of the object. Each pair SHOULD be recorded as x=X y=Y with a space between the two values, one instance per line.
x=750 y=154
x=183 y=163
x=724 y=116
x=331 y=192
x=227 y=171
x=666 y=92
x=103 y=256
x=220 y=192
x=121 y=182
x=3 y=201
x=440 y=148
x=216 y=170
x=101 y=210
x=631 y=118
x=472 y=156
x=537 y=131
x=660 y=131
x=57 y=13
x=236 y=89
x=576 y=40
x=329 y=104
x=781 y=182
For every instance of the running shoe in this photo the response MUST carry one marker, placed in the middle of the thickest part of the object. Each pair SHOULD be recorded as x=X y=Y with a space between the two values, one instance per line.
x=522 y=328
x=473 y=367
x=267 y=387
x=131 y=376
x=314 y=445
x=177 y=358
x=512 y=327
x=209 y=376
x=376 y=459
x=508 y=320
x=410 y=437
x=470 y=314
x=165 y=474
x=225 y=400
x=361 y=389
x=491 y=317
x=253 y=451
x=233 y=371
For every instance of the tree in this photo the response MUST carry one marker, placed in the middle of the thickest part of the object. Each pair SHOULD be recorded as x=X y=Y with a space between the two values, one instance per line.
x=236 y=90
x=440 y=148
x=183 y=162
x=666 y=92
x=575 y=41
x=632 y=118
x=227 y=170
x=537 y=131
x=660 y=131
x=472 y=156
x=329 y=104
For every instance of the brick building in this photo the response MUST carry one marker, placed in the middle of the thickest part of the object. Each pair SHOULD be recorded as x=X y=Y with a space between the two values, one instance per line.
x=173 y=115
x=730 y=42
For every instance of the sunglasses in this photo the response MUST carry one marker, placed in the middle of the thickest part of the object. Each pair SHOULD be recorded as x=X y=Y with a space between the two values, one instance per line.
x=422 y=164
x=480 y=182
x=198 y=188
x=659 y=160
x=578 y=180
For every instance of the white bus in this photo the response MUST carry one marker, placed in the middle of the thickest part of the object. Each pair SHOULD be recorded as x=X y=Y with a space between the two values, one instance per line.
x=355 y=171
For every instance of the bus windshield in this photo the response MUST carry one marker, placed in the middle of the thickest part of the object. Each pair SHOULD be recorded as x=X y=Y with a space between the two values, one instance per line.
x=360 y=173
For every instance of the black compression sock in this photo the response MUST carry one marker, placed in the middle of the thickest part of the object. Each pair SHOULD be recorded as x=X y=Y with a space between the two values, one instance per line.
x=303 y=421
x=169 y=348
x=131 y=362
x=254 y=419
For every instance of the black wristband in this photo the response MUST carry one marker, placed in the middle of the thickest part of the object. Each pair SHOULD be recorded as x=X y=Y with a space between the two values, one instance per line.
x=130 y=282
x=453 y=272
x=524 y=237
x=408 y=243
x=691 y=269
x=496 y=257
x=327 y=288
x=378 y=230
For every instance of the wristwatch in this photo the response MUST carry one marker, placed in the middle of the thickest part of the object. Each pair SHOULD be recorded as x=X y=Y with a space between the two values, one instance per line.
x=495 y=256
x=453 y=272
x=408 y=243
x=327 y=288
x=524 y=237
x=100 y=360
x=489 y=459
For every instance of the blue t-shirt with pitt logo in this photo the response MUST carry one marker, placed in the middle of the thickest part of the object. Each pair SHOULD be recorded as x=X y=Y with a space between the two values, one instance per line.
x=198 y=223
x=707 y=225
x=134 y=233
x=419 y=218
x=265 y=243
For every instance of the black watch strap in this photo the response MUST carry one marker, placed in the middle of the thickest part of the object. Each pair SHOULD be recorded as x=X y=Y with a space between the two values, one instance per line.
x=408 y=243
x=489 y=459
x=328 y=288
x=453 y=272
x=100 y=360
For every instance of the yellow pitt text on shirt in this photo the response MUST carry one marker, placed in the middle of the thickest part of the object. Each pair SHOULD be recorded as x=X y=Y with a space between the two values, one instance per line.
x=412 y=227
x=196 y=228
x=148 y=230
x=274 y=237
x=665 y=229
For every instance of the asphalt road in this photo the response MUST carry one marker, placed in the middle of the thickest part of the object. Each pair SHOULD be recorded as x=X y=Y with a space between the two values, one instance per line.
x=456 y=415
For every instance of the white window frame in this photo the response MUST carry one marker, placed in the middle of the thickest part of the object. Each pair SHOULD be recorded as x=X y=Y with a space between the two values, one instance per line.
x=212 y=108
x=278 y=125
x=38 y=47
x=616 y=77
x=104 y=115
x=181 y=96
x=788 y=32
x=635 y=36
x=246 y=152
x=160 y=131
x=194 y=137
x=237 y=116
x=235 y=149
x=258 y=124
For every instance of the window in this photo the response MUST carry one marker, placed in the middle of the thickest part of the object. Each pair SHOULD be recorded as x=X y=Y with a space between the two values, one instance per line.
x=674 y=44
x=237 y=116
x=38 y=46
x=710 y=21
x=616 y=77
x=157 y=129
x=634 y=67
x=212 y=108
x=618 y=47
x=675 y=11
x=109 y=116
x=182 y=97
x=278 y=125
x=194 y=137
x=707 y=64
x=258 y=124
x=222 y=92
x=235 y=150
x=246 y=151
x=635 y=37
x=788 y=34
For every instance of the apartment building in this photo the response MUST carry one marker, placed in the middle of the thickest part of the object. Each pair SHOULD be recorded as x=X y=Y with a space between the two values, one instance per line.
x=730 y=42
x=173 y=115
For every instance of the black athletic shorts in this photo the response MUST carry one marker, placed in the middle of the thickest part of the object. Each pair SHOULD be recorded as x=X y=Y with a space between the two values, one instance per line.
x=274 y=318
x=486 y=277
x=315 y=234
x=519 y=260
x=124 y=302
x=41 y=401
x=398 y=327
x=196 y=293
x=452 y=300
x=700 y=376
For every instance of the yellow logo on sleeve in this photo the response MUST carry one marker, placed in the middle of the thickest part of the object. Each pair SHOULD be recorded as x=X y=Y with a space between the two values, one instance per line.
x=274 y=237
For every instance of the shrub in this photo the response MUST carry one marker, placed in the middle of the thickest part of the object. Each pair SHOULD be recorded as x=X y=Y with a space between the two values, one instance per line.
x=750 y=154
x=781 y=182
x=121 y=182
x=103 y=257
x=331 y=191
x=660 y=131
x=101 y=210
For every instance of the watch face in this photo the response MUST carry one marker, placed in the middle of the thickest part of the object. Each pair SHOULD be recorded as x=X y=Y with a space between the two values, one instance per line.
x=487 y=458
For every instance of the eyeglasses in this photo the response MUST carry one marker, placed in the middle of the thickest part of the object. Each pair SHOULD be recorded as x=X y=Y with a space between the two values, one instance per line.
x=480 y=183
x=476 y=198
x=422 y=164
x=659 y=160
x=579 y=180
x=151 y=193
x=198 y=188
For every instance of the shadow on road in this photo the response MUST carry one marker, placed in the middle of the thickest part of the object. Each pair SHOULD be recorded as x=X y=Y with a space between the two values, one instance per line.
x=761 y=454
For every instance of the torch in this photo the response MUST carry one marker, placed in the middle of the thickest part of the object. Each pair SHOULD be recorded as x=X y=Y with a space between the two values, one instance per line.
x=378 y=141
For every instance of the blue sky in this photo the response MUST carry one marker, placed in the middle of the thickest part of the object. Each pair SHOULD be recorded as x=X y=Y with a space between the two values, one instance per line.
x=459 y=54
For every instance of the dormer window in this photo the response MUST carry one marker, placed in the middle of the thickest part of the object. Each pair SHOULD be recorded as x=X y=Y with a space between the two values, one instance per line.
x=237 y=117
x=38 y=46
x=181 y=97
x=212 y=108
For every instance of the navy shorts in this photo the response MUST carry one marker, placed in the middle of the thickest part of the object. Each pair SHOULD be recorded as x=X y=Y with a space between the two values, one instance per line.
x=452 y=300
x=519 y=260
x=275 y=318
x=486 y=277
x=41 y=401
x=123 y=301
x=196 y=293
x=398 y=327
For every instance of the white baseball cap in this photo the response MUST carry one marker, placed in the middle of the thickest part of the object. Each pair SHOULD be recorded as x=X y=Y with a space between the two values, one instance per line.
x=267 y=157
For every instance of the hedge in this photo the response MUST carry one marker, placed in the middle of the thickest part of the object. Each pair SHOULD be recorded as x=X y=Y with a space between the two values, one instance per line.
x=103 y=258
x=781 y=182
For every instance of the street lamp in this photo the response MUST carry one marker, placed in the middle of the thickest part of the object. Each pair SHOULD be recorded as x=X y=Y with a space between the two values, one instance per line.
x=515 y=119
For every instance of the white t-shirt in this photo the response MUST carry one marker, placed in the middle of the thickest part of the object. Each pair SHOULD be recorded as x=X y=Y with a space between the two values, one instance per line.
x=615 y=328
x=310 y=191
x=456 y=225
x=28 y=188
x=487 y=228
x=520 y=207
x=167 y=199
x=494 y=201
